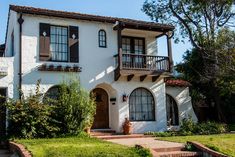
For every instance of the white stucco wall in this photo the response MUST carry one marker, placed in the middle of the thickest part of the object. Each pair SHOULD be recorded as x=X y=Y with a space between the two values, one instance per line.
x=97 y=69
x=11 y=62
x=183 y=100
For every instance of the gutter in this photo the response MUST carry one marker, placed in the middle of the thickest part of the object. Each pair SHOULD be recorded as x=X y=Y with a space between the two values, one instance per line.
x=20 y=21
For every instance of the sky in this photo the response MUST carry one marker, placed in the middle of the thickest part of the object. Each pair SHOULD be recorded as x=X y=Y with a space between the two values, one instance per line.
x=116 y=8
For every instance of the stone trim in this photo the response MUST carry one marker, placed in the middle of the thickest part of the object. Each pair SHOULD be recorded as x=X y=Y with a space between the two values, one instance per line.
x=20 y=149
x=206 y=150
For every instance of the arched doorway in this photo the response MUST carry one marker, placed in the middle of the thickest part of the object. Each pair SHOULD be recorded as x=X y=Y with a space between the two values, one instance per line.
x=172 y=111
x=101 y=119
x=142 y=106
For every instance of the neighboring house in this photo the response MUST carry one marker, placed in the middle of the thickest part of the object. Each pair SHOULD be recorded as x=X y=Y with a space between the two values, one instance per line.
x=115 y=58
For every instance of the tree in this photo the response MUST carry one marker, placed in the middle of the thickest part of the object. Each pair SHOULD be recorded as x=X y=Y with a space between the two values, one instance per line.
x=202 y=22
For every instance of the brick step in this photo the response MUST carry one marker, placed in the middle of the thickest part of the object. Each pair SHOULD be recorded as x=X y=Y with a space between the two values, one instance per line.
x=178 y=154
x=122 y=136
x=169 y=149
x=102 y=132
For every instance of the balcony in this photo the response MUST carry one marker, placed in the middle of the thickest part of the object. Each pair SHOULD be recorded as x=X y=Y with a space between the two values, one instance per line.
x=141 y=65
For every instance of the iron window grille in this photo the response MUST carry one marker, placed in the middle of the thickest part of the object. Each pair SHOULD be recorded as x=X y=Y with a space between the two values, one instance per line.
x=142 y=106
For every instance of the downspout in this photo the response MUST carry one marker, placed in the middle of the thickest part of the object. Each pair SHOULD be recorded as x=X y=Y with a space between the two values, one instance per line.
x=20 y=21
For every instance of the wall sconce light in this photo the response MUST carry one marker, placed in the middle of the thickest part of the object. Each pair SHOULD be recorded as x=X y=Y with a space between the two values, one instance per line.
x=124 y=97
x=113 y=101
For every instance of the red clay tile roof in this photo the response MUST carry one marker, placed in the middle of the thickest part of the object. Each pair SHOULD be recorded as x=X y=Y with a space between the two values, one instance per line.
x=177 y=82
x=80 y=16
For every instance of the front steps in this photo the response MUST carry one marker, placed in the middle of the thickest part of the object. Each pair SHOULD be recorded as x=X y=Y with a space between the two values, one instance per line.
x=166 y=150
x=108 y=134
x=174 y=152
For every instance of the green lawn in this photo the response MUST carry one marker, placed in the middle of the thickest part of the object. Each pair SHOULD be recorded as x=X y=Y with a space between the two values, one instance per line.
x=78 y=147
x=224 y=143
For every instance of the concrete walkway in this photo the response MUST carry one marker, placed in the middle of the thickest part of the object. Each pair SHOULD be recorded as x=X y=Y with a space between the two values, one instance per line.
x=148 y=142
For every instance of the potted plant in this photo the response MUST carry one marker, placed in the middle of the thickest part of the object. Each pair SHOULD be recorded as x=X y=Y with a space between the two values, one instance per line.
x=43 y=67
x=51 y=67
x=59 y=68
x=76 y=69
x=67 y=68
x=127 y=127
x=88 y=124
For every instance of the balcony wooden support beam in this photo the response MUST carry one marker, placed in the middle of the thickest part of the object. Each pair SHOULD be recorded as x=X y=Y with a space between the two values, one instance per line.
x=169 y=49
x=154 y=78
x=130 y=77
x=117 y=74
x=142 y=78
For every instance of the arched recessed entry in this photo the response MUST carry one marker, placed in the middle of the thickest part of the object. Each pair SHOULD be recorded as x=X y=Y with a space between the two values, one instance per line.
x=101 y=119
x=172 y=111
x=52 y=93
x=142 y=106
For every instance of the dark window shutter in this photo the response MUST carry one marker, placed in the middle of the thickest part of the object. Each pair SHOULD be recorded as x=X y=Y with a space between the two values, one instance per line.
x=73 y=44
x=44 y=48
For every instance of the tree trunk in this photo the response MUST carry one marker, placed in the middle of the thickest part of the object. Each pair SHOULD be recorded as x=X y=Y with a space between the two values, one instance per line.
x=218 y=104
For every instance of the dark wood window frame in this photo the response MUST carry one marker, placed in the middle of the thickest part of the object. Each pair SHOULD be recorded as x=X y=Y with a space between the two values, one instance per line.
x=149 y=105
x=68 y=53
x=102 y=38
x=173 y=111
x=132 y=42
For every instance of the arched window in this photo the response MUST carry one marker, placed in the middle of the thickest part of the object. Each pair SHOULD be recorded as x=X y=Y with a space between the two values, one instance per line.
x=172 y=111
x=52 y=93
x=102 y=38
x=141 y=105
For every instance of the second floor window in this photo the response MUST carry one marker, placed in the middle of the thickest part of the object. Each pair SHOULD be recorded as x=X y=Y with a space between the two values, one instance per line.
x=102 y=38
x=59 y=43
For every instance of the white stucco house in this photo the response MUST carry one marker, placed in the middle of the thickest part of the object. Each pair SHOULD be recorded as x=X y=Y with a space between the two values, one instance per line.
x=115 y=58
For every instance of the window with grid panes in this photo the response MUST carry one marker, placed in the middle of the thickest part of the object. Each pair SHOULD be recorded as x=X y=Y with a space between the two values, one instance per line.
x=141 y=104
x=59 y=43
x=102 y=38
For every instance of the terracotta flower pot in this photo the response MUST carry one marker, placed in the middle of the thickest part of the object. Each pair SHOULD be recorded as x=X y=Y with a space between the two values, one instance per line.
x=127 y=127
x=88 y=130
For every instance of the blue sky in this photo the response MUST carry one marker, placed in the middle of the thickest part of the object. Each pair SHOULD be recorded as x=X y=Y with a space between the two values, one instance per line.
x=117 y=8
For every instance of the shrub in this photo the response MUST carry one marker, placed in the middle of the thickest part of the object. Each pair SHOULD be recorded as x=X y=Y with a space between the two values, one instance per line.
x=189 y=127
x=207 y=128
x=144 y=152
x=30 y=117
x=77 y=106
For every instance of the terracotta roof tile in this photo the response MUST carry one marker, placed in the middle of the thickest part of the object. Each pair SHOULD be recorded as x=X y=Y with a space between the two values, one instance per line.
x=177 y=82
x=80 y=16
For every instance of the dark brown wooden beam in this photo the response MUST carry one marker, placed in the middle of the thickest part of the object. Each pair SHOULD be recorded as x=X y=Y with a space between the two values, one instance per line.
x=169 y=49
x=142 y=78
x=154 y=78
x=117 y=74
x=130 y=77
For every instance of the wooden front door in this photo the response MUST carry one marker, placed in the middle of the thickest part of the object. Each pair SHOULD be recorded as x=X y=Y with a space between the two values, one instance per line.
x=101 y=120
x=2 y=112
